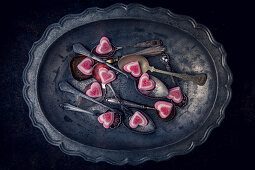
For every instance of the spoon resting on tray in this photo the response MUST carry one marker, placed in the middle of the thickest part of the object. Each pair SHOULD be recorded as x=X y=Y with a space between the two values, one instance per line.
x=165 y=59
x=116 y=120
x=134 y=118
x=66 y=87
x=199 y=79
x=106 y=49
x=152 y=51
x=96 y=75
x=80 y=49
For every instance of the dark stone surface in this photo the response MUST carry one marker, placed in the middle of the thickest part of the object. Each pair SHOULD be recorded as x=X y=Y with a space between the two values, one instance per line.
x=23 y=146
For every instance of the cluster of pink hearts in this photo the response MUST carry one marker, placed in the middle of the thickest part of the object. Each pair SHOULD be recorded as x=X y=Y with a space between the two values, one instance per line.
x=145 y=83
x=137 y=119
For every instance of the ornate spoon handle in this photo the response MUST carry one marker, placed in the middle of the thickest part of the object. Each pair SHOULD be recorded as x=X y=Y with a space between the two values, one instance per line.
x=67 y=106
x=150 y=43
x=66 y=87
x=129 y=104
x=199 y=79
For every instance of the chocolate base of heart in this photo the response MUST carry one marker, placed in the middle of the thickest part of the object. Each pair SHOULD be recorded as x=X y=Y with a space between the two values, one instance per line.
x=107 y=55
x=170 y=116
x=117 y=121
x=183 y=102
x=76 y=73
x=96 y=70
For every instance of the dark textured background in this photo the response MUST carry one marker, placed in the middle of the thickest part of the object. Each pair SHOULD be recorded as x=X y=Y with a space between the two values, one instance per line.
x=23 y=146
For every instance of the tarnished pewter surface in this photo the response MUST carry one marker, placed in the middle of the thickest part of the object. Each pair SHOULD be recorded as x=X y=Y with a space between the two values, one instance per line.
x=192 y=50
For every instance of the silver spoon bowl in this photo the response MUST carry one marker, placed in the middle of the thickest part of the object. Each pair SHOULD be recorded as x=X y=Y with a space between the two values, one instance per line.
x=69 y=107
x=160 y=90
x=199 y=79
x=100 y=99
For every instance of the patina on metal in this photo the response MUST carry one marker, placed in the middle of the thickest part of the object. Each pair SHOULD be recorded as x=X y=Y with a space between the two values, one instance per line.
x=199 y=79
x=150 y=43
x=192 y=49
x=128 y=112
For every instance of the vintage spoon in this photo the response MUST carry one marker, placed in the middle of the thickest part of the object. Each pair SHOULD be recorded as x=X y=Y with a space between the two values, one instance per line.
x=85 y=85
x=69 y=107
x=129 y=104
x=150 y=43
x=128 y=112
x=112 y=100
x=149 y=128
x=66 y=87
x=78 y=48
x=165 y=59
x=101 y=98
x=199 y=79
x=160 y=90
x=152 y=51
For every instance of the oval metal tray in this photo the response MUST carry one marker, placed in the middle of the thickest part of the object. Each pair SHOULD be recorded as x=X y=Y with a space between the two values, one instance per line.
x=192 y=49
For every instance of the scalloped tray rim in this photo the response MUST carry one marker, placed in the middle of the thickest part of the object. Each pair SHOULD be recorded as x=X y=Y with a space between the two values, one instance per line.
x=61 y=143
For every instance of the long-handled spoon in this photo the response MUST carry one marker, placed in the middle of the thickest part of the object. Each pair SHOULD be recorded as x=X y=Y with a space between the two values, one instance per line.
x=78 y=48
x=199 y=79
x=149 y=128
x=69 y=107
x=96 y=76
x=159 y=91
x=86 y=85
x=150 y=43
x=152 y=51
x=66 y=87
x=165 y=59
x=129 y=104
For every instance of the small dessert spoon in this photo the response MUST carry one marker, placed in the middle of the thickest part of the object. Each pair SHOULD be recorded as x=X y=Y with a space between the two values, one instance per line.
x=199 y=79
x=150 y=43
x=69 y=107
x=66 y=87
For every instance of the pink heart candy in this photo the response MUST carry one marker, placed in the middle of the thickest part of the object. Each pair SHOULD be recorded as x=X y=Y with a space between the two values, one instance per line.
x=133 y=68
x=104 y=46
x=137 y=119
x=106 y=75
x=85 y=66
x=145 y=83
x=164 y=108
x=95 y=90
x=106 y=119
x=175 y=94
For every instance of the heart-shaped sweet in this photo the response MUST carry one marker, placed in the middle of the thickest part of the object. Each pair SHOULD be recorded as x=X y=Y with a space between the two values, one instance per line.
x=106 y=119
x=133 y=68
x=106 y=75
x=95 y=90
x=175 y=94
x=137 y=119
x=164 y=108
x=104 y=46
x=145 y=83
x=95 y=72
x=85 y=66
